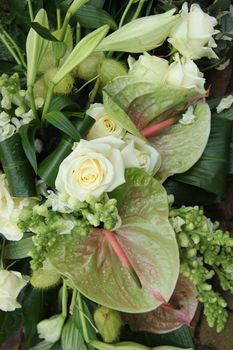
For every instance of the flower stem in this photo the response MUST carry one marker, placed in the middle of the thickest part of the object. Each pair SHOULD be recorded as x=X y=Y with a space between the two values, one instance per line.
x=58 y=18
x=9 y=48
x=152 y=130
x=2 y=254
x=73 y=300
x=32 y=101
x=30 y=10
x=65 y=25
x=82 y=318
x=48 y=99
x=64 y=299
x=125 y=12
x=138 y=11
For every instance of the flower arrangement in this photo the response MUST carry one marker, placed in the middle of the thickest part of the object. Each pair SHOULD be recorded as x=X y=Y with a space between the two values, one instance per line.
x=98 y=120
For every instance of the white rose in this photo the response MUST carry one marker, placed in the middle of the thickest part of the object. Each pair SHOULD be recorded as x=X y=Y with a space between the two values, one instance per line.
x=151 y=68
x=50 y=329
x=9 y=208
x=138 y=153
x=185 y=73
x=104 y=125
x=192 y=35
x=94 y=167
x=11 y=283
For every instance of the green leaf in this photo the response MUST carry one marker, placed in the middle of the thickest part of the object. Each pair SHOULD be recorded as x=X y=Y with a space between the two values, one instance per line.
x=119 y=116
x=89 y=16
x=9 y=321
x=48 y=169
x=35 y=47
x=18 y=250
x=42 y=346
x=210 y=172
x=60 y=121
x=43 y=31
x=143 y=273
x=180 y=146
x=83 y=49
x=27 y=133
x=71 y=338
x=19 y=173
x=59 y=103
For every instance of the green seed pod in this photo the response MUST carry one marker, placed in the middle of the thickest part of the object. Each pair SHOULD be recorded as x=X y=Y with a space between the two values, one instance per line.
x=40 y=89
x=109 y=323
x=109 y=70
x=88 y=68
x=66 y=84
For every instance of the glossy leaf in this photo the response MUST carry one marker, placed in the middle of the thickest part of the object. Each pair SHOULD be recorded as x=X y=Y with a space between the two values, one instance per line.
x=92 y=17
x=19 y=173
x=71 y=337
x=18 y=250
x=43 y=31
x=180 y=146
x=210 y=172
x=168 y=317
x=27 y=133
x=59 y=103
x=143 y=274
x=60 y=121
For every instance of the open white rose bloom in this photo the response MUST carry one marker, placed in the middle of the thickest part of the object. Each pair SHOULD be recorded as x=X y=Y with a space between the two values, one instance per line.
x=94 y=167
x=192 y=36
x=11 y=283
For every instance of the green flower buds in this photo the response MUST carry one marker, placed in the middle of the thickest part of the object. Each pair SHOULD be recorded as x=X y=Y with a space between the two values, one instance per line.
x=110 y=69
x=89 y=68
x=64 y=87
x=109 y=323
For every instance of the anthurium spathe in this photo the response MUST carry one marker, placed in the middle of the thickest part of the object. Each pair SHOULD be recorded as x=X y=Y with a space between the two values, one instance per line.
x=135 y=268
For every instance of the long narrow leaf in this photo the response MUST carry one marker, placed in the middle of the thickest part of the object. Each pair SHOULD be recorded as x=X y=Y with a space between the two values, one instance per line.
x=19 y=173
x=92 y=17
x=60 y=121
x=27 y=133
x=18 y=250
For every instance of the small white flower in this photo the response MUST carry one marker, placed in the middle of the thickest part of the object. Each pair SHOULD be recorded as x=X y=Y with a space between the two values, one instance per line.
x=50 y=329
x=4 y=118
x=225 y=103
x=19 y=111
x=6 y=102
x=39 y=101
x=185 y=73
x=140 y=154
x=94 y=167
x=104 y=125
x=188 y=117
x=192 y=36
x=11 y=283
x=7 y=131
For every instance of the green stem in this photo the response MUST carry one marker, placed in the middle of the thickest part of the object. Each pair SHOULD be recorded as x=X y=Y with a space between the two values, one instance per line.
x=4 y=41
x=11 y=40
x=48 y=99
x=125 y=12
x=101 y=346
x=73 y=300
x=94 y=91
x=30 y=10
x=65 y=26
x=64 y=300
x=58 y=18
x=82 y=319
x=2 y=254
x=32 y=101
x=138 y=11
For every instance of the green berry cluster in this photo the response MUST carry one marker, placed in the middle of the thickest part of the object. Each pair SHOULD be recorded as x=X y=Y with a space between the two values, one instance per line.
x=205 y=251
x=47 y=226
x=102 y=212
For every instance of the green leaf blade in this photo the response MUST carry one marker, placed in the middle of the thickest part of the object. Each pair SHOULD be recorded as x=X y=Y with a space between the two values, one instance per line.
x=60 y=121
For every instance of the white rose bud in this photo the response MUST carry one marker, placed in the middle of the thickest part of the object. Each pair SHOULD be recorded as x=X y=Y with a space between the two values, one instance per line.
x=192 y=35
x=94 y=167
x=50 y=329
x=185 y=73
x=104 y=125
x=151 y=68
x=138 y=153
x=11 y=283
x=9 y=207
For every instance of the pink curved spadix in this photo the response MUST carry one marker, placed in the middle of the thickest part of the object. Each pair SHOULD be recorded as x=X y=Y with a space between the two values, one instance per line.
x=152 y=130
x=111 y=237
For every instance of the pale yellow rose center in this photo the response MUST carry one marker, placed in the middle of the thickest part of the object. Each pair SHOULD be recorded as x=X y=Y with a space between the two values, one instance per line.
x=89 y=173
x=109 y=125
